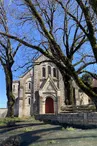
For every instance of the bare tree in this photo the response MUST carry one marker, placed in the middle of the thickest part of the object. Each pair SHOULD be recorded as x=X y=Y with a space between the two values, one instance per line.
x=8 y=55
x=63 y=29
x=93 y=4
x=91 y=27
x=7 y=59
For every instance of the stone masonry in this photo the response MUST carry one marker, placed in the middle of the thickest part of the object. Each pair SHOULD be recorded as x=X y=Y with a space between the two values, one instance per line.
x=41 y=90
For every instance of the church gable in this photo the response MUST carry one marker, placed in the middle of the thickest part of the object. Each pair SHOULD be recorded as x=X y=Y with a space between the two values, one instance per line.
x=27 y=75
x=41 y=58
x=48 y=85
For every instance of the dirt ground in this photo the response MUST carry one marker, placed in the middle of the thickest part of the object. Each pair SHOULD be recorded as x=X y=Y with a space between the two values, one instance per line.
x=35 y=133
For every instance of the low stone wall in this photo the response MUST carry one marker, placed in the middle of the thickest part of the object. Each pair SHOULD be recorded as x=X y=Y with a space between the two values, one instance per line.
x=49 y=117
x=82 y=119
x=3 y=112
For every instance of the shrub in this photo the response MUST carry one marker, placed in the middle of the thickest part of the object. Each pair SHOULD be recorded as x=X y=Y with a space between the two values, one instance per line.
x=12 y=141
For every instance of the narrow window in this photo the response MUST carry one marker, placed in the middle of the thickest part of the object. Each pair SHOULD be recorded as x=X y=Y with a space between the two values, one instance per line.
x=29 y=85
x=54 y=72
x=89 y=101
x=49 y=70
x=43 y=72
x=74 y=96
x=29 y=101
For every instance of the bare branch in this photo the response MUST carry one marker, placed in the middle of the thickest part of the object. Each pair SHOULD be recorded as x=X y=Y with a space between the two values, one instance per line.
x=84 y=66
x=91 y=33
x=14 y=53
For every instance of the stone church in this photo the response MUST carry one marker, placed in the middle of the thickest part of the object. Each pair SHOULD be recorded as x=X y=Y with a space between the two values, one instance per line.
x=41 y=90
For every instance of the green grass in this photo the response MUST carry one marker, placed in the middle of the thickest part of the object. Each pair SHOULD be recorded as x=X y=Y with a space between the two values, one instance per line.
x=5 y=121
x=70 y=128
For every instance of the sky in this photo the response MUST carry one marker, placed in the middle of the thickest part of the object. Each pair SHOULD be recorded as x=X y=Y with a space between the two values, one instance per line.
x=3 y=98
x=25 y=30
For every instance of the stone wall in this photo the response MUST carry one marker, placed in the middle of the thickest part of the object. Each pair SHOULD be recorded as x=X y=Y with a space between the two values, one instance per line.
x=82 y=119
x=3 y=112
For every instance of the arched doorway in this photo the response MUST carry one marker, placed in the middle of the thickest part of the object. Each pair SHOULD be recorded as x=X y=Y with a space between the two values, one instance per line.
x=49 y=105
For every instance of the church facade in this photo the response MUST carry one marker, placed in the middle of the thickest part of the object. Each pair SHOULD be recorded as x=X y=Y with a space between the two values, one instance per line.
x=41 y=90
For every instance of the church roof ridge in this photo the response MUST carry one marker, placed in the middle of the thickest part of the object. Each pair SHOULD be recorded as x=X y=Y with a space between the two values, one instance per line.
x=41 y=55
x=15 y=81
x=26 y=73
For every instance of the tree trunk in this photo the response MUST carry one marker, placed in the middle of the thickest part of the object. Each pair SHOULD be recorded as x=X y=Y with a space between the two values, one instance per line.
x=69 y=99
x=96 y=106
x=10 y=96
x=95 y=98
x=93 y=3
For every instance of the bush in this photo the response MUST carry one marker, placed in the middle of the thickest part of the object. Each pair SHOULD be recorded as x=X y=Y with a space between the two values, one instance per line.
x=78 y=108
x=9 y=121
x=12 y=141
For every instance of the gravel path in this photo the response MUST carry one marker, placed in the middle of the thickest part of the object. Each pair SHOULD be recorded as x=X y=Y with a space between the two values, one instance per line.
x=36 y=133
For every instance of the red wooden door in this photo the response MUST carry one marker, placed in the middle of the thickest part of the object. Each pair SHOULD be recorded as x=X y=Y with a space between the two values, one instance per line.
x=49 y=105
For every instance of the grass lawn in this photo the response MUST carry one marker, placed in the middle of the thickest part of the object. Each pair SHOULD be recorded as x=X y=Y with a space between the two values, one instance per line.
x=4 y=121
x=35 y=133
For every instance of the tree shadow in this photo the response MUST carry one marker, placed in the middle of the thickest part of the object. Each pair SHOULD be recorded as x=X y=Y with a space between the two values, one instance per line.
x=61 y=141
x=33 y=136
x=5 y=129
x=30 y=136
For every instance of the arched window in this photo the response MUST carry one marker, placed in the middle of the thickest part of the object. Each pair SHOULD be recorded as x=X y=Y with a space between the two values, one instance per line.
x=43 y=72
x=54 y=72
x=49 y=70
x=29 y=85
x=29 y=101
x=89 y=101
